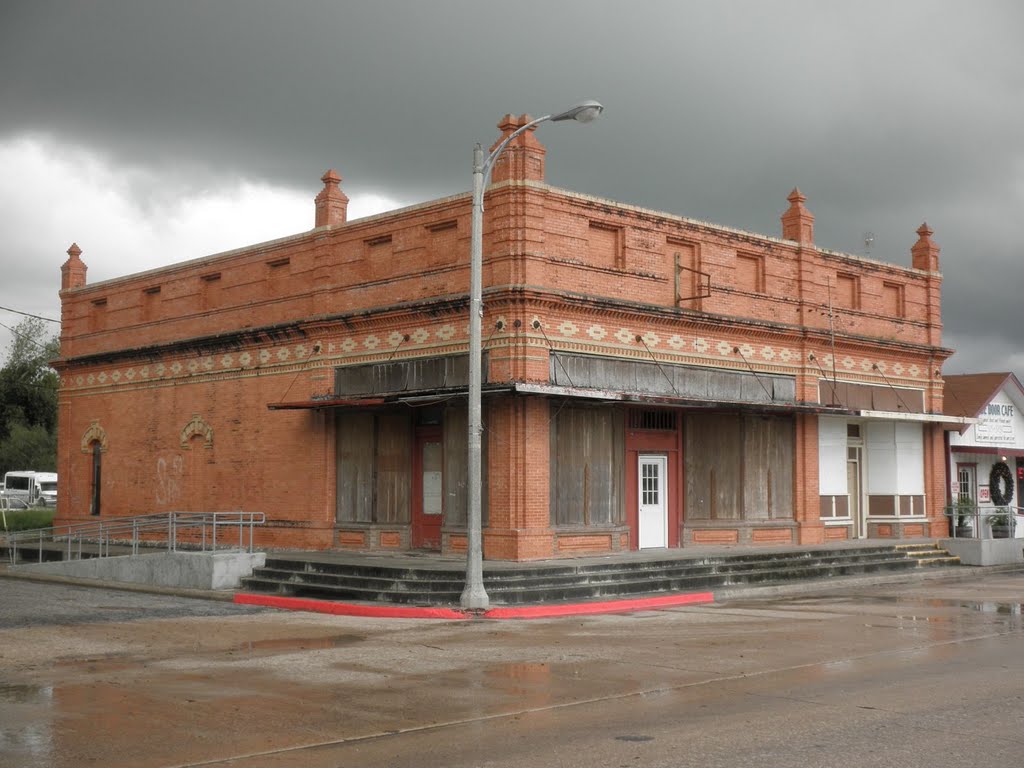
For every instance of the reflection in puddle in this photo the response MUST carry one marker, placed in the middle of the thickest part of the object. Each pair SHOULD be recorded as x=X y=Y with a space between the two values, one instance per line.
x=529 y=682
x=300 y=643
x=25 y=734
x=108 y=662
x=1004 y=609
x=982 y=606
x=20 y=694
x=525 y=671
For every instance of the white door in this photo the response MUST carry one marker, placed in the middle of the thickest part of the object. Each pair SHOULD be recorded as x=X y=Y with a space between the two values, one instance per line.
x=653 y=501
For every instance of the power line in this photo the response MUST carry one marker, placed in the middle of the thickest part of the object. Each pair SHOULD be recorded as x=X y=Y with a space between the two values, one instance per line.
x=29 y=314
x=29 y=339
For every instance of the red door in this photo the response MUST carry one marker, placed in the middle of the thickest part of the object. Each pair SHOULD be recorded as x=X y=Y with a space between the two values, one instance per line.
x=428 y=489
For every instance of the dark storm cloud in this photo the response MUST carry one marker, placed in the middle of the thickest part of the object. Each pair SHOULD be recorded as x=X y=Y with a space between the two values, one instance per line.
x=885 y=114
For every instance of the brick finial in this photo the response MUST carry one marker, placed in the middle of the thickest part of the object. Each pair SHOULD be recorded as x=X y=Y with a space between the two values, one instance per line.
x=72 y=272
x=522 y=159
x=331 y=202
x=925 y=253
x=797 y=221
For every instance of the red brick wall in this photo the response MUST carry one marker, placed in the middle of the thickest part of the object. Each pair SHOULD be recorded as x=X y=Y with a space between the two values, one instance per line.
x=222 y=337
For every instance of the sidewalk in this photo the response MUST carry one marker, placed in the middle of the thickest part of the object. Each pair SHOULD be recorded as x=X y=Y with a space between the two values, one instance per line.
x=654 y=601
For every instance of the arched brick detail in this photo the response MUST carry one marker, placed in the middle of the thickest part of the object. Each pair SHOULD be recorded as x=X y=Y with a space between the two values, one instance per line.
x=94 y=434
x=196 y=427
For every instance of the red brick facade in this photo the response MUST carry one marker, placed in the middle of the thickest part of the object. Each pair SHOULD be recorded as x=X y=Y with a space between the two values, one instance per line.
x=173 y=372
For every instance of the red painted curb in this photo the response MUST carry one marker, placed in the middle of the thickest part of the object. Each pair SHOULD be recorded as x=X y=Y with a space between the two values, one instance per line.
x=518 y=612
x=350 y=609
x=608 y=606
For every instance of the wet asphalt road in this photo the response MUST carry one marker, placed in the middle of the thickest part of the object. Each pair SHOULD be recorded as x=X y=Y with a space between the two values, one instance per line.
x=32 y=604
x=918 y=674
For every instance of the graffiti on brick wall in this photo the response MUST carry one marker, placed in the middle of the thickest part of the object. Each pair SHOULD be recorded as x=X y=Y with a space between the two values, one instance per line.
x=169 y=473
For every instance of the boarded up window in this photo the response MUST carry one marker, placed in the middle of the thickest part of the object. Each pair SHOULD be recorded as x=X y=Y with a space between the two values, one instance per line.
x=895 y=458
x=714 y=473
x=374 y=465
x=767 y=468
x=847 y=292
x=605 y=246
x=750 y=273
x=832 y=456
x=356 y=438
x=394 y=464
x=456 y=471
x=587 y=452
x=738 y=467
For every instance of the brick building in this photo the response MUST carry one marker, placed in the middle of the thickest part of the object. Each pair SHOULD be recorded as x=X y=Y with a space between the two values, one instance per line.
x=649 y=380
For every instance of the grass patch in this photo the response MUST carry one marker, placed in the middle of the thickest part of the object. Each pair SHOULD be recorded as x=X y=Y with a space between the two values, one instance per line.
x=27 y=519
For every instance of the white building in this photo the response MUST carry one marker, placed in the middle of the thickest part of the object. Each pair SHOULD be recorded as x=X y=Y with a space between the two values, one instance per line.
x=985 y=464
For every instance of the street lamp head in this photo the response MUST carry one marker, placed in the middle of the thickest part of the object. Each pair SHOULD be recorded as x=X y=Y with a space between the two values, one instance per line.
x=584 y=112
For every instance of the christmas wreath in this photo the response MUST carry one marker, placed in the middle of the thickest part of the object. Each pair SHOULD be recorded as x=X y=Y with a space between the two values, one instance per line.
x=1000 y=484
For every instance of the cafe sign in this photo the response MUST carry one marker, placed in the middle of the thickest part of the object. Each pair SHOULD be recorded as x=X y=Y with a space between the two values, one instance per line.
x=995 y=425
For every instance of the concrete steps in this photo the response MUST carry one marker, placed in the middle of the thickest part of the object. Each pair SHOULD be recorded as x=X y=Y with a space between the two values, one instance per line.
x=533 y=583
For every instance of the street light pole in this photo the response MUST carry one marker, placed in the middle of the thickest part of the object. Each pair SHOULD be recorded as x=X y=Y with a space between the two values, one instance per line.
x=474 y=596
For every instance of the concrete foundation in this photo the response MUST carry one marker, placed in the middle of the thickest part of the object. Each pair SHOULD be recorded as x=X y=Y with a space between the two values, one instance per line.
x=986 y=551
x=187 y=570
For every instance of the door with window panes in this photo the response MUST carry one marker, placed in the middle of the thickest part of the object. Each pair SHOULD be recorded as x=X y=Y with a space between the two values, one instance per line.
x=428 y=489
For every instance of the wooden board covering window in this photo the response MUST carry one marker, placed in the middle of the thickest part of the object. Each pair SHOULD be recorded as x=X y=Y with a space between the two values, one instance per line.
x=738 y=467
x=374 y=463
x=587 y=453
x=394 y=468
x=713 y=454
x=355 y=468
x=456 y=471
x=768 y=468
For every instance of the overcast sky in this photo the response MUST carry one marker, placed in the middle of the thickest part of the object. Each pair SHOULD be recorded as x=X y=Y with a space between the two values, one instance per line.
x=154 y=132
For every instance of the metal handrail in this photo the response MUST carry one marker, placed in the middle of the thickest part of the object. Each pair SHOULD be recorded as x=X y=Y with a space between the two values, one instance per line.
x=976 y=516
x=136 y=531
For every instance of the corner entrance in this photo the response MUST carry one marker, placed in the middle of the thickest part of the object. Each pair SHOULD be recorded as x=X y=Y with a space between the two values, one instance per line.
x=653 y=501
x=428 y=489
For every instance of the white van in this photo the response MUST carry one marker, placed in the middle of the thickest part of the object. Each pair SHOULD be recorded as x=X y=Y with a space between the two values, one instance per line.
x=46 y=489
x=32 y=488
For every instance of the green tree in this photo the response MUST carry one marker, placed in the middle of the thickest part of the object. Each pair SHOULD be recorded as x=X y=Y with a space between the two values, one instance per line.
x=28 y=399
x=29 y=448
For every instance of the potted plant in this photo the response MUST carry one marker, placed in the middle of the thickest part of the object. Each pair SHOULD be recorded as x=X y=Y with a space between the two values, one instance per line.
x=1000 y=523
x=965 y=509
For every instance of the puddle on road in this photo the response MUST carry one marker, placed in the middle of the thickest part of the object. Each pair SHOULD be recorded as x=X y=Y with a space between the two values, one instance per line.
x=109 y=662
x=981 y=606
x=525 y=671
x=998 y=607
x=23 y=694
x=1003 y=609
x=25 y=733
x=286 y=644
